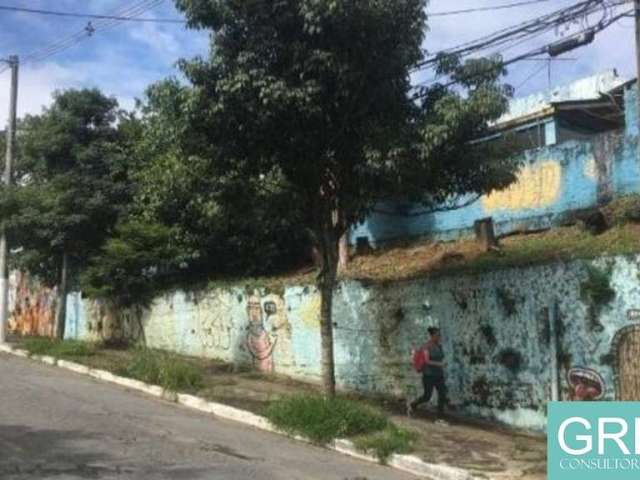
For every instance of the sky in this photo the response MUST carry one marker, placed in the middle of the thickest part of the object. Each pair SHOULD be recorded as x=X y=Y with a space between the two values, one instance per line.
x=125 y=59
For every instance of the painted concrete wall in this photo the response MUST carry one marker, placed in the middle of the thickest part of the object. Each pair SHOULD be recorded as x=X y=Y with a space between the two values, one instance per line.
x=487 y=321
x=554 y=180
x=31 y=306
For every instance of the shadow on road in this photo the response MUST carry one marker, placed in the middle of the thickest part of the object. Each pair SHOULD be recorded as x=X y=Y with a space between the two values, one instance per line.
x=30 y=453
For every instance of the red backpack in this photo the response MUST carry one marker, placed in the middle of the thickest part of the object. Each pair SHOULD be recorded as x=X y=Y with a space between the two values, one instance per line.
x=419 y=359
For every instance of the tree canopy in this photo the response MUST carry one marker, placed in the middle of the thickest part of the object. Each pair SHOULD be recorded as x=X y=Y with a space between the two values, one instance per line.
x=301 y=118
x=71 y=181
x=318 y=95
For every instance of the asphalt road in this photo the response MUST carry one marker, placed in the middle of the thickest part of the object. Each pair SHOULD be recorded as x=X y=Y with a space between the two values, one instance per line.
x=58 y=425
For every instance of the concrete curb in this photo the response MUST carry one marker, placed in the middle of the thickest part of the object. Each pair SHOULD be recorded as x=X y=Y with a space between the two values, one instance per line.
x=407 y=463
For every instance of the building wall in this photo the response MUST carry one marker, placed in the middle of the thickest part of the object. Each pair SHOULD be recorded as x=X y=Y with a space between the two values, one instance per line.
x=487 y=320
x=31 y=306
x=554 y=181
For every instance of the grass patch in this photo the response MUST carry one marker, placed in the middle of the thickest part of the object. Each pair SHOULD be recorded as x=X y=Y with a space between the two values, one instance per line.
x=558 y=244
x=166 y=370
x=433 y=259
x=623 y=210
x=58 y=348
x=322 y=419
x=385 y=443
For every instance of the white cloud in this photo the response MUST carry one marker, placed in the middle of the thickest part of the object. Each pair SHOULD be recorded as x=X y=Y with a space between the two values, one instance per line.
x=39 y=81
x=157 y=38
x=35 y=87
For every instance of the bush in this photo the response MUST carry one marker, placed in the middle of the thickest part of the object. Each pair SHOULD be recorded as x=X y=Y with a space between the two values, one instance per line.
x=58 y=348
x=324 y=419
x=623 y=210
x=169 y=371
x=387 y=442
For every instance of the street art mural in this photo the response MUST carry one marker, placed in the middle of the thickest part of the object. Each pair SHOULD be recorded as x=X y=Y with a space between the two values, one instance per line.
x=625 y=352
x=260 y=343
x=112 y=325
x=537 y=186
x=32 y=307
x=585 y=384
x=215 y=324
x=267 y=328
x=498 y=341
x=556 y=181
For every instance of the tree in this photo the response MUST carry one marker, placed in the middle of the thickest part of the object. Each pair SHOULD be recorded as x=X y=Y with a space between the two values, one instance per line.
x=188 y=222
x=317 y=95
x=72 y=187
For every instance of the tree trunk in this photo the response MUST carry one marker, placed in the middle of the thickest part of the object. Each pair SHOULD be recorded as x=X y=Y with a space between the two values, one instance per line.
x=326 y=285
x=343 y=253
x=316 y=257
x=61 y=308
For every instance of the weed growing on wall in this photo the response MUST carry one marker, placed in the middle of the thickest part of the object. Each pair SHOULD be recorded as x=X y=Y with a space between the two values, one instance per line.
x=596 y=292
x=489 y=335
x=389 y=328
x=481 y=390
x=510 y=359
x=507 y=300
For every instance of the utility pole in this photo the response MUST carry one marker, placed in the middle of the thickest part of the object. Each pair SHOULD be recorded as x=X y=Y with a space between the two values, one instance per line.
x=13 y=63
x=637 y=15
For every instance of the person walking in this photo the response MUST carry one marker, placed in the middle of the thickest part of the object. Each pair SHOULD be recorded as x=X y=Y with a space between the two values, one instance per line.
x=432 y=373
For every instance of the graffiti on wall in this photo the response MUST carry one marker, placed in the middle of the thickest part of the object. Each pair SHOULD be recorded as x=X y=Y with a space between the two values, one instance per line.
x=585 y=384
x=537 y=186
x=216 y=325
x=267 y=329
x=500 y=394
x=32 y=307
x=625 y=348
x=111 y=325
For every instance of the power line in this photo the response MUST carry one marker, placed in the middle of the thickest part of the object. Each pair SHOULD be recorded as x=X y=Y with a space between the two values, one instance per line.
x=179 y=20
x=519 y=32
x=485 y=9
x=515 y=35
x=536 y=71
x=89 y=15
x=101 y=25
x=532 y=53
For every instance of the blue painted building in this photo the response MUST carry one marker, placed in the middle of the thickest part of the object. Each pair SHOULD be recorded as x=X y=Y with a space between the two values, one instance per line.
x=579 y=145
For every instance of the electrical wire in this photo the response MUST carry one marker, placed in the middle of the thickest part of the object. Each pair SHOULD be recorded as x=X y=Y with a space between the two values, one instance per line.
x=101 y=25
x=542 y=25
x=541 y=50
x=485 y=9
x=520 y=32
x=67 y=42
x=535 y=73
x=89 y=15
x=88 y=31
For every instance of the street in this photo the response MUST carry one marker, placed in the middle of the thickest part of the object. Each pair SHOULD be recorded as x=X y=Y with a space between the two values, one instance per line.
x=55 y=424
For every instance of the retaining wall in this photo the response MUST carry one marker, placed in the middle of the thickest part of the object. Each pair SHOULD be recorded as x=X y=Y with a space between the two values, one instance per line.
x=496 y=330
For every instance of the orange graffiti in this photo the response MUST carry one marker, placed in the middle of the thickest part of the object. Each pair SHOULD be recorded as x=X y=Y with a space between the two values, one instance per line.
x=34 y=307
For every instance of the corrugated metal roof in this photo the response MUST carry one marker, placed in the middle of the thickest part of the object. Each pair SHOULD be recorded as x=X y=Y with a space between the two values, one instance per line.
x=589 y=88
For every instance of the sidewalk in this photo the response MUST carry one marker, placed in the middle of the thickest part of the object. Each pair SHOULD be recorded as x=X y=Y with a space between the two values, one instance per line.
x=482 y=448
